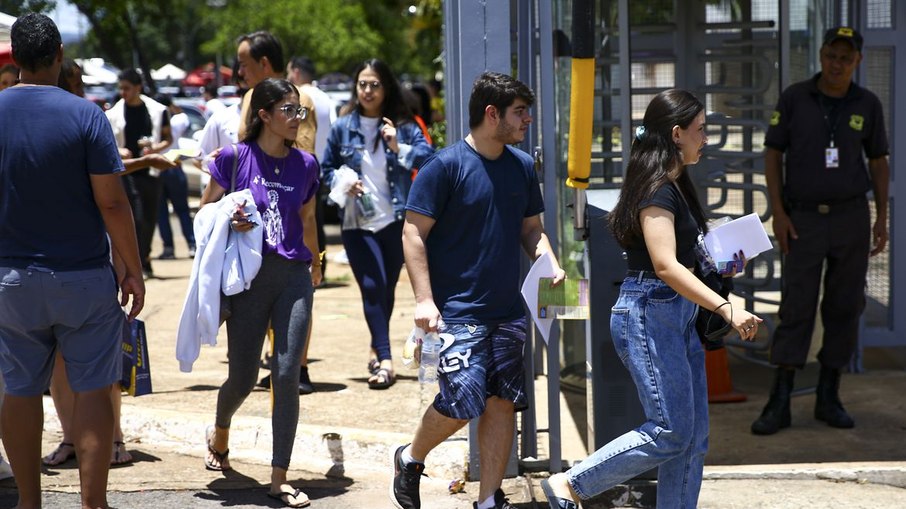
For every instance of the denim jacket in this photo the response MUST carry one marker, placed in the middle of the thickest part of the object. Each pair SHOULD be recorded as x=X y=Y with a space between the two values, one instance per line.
x=346 y=145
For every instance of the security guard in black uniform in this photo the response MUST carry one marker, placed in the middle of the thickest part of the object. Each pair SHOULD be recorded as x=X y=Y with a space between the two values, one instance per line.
x=821 y=215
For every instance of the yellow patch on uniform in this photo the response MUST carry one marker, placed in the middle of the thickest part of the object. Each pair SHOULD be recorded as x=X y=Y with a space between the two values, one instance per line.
x=775 y=118
x=845 y=32
x=856 y=122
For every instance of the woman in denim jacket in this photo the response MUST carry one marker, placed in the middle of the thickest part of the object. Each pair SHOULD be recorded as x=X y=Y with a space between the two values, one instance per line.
x=378 y=140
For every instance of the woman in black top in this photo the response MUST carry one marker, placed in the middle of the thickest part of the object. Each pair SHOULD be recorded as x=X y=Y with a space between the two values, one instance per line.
x=658 y=220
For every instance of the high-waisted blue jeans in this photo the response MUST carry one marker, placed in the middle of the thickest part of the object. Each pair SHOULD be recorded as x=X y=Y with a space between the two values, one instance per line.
x=653 y=330
x=376 y=259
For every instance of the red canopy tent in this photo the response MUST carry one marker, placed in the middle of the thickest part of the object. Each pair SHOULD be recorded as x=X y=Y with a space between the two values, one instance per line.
x=6 y=54
x=203 y=75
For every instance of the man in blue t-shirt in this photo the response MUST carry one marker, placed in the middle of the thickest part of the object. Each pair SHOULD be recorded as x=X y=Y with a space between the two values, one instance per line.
x=62 y=197
x=469 y=210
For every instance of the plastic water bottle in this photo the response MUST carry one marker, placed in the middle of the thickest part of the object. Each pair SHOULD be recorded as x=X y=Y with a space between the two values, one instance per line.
x=430 y=358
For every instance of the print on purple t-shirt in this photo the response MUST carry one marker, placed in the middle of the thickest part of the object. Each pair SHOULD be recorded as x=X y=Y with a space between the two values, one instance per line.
x=280 y=187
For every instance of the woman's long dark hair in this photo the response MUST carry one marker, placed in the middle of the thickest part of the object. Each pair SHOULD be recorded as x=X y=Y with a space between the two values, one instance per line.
x=653 y=160
x=67 y=71
x=265 y=95
x=393 y=107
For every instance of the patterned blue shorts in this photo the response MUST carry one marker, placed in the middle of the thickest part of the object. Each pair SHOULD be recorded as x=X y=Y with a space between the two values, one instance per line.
x=477 y=362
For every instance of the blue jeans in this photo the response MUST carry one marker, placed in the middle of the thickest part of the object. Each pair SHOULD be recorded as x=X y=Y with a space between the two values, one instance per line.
x=176 y=190
x=376 y=259
x=653 y=330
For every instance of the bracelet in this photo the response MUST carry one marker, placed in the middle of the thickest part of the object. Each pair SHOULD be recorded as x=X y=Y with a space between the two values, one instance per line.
x=722 y=305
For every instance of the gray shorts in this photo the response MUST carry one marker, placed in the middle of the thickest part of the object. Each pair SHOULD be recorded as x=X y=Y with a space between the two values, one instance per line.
x=75 y=311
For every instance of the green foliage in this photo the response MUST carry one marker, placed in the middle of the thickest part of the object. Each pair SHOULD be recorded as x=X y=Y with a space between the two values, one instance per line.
x=336 y=34
x=19 y=7
x=159 y=32
x=438 y=132
x=333 y=34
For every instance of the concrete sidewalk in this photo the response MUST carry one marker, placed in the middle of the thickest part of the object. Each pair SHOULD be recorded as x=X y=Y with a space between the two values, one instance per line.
x=165 y=430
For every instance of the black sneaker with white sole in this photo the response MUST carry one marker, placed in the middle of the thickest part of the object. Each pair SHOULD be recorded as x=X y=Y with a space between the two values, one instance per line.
x=406 y=480
x=500 y=501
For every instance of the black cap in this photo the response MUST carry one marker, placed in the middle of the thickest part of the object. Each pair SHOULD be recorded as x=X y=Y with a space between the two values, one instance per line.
x=847 y=34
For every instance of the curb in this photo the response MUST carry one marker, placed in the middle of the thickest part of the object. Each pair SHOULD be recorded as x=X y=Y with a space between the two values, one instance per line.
x=879 y=472
x=361 y=451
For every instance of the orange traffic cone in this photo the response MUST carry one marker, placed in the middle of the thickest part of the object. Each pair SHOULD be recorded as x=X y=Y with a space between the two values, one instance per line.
x=720 y=387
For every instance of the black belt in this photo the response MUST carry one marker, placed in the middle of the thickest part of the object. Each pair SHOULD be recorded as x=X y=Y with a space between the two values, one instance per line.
x=826 y=207
x=644 y=274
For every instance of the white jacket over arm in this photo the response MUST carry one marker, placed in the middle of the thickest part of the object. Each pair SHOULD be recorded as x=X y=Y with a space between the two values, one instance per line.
x=225 y=261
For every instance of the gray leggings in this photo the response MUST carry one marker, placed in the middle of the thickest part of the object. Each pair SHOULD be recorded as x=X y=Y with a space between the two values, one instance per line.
x=281 y=295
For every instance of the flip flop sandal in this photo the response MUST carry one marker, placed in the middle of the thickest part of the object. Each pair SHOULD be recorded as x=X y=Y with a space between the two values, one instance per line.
x=120 y=455
x=217 y=459
x=63 y=453
x=285 y=496
x=382 y=379
x=373 y=366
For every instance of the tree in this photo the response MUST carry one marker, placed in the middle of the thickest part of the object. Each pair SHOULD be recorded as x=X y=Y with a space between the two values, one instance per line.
x=19 y=7
x=144 y=34
x=335 y=35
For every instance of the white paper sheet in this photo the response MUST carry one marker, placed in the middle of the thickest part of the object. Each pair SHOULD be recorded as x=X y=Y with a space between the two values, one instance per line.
x=746 y=234
x=543 y=267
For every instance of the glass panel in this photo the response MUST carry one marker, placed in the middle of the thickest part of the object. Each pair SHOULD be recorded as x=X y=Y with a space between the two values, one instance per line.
x=878 y=67
x=571 y=255
x=879 y=14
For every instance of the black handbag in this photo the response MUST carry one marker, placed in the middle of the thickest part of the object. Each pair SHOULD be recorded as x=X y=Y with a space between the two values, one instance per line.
x=711 y=326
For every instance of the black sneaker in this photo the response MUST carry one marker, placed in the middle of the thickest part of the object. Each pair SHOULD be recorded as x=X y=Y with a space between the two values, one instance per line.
x=406 y=479
x=500 y=501
x=305 y=385
x=265 y=383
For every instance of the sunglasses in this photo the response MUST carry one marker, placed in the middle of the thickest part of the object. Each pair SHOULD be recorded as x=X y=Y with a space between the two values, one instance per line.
x=374 y=85
x=292 y=111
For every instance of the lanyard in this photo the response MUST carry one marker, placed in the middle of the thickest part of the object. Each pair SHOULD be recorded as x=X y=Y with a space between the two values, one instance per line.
x=828 y=107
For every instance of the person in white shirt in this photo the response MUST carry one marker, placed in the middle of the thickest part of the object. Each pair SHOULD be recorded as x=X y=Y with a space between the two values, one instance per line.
x=221 y=128
x=212 y=103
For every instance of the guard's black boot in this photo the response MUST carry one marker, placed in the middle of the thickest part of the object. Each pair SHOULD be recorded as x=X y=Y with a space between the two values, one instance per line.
x=827 y=400
x=776 y=413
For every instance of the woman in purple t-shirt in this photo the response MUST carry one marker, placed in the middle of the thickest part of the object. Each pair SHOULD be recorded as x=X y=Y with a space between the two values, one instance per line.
x=283 y=181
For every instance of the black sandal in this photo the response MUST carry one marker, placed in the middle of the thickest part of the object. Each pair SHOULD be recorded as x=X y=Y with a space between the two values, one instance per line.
x=383 y=378
x=60 y=455
x=219 y=457
x=373 y=366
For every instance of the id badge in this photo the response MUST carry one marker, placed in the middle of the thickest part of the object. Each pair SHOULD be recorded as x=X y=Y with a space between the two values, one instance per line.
x=832 y=157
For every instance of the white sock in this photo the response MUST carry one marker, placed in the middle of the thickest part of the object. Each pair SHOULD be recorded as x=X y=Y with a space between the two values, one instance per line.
x=406 y=456
x=488 y=503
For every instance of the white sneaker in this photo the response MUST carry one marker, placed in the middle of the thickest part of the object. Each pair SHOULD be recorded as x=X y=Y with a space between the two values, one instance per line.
x=6 y=471
x=341 y=258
